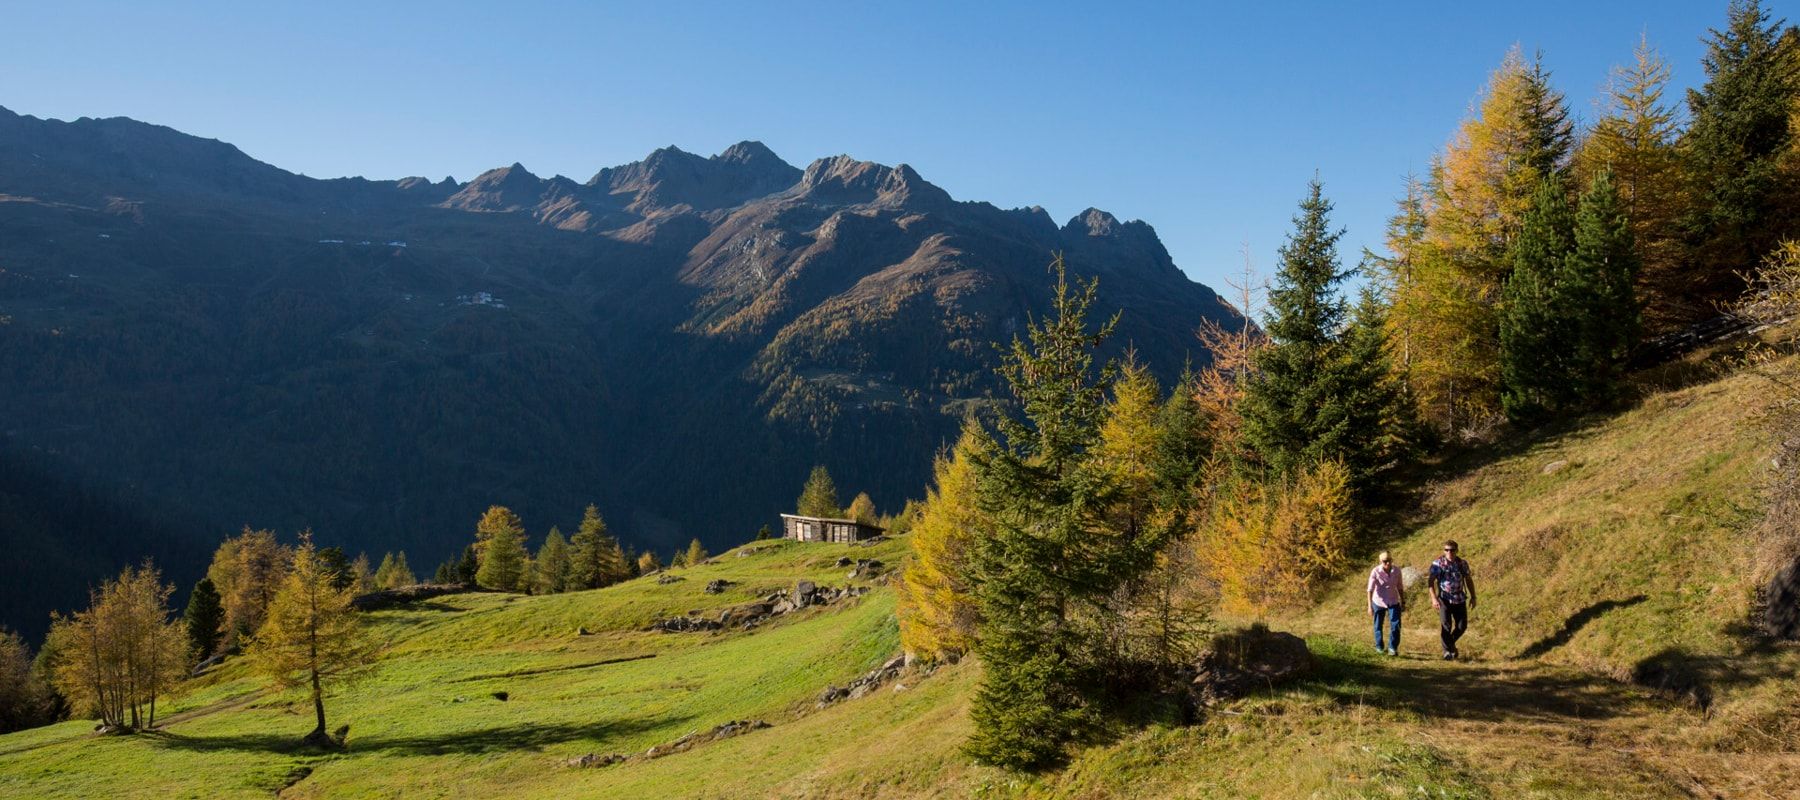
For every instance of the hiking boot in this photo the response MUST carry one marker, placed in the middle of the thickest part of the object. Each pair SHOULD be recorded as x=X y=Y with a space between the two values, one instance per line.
x=1449 y=656
x=1393 y=651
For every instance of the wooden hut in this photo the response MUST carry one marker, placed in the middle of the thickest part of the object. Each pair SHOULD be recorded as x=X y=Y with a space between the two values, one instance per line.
x=825 y=529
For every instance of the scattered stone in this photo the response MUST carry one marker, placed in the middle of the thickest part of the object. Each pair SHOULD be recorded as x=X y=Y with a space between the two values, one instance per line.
x=687 y=742
x=717 y=586
x=582 y=632
x=871 y=541
x=864 y=685
x=845 y=561
x=1237 y=663
x=1409 y=575
x=666 y=579
x=501 y=696
x=684 y=625
x=594 y=760
x=751 y=614
x=1554 y=467
x=866 y=568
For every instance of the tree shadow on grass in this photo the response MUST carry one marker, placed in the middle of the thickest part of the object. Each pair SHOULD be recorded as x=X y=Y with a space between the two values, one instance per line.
x=1575 y=623
x=1476 y=692
x=505 y=738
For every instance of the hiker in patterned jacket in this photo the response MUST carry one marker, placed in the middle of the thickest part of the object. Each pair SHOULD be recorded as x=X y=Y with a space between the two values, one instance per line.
x=1452 y=594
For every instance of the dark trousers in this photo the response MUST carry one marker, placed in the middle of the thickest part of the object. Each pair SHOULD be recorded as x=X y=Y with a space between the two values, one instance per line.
x=1392 y=617
x=1453 y=619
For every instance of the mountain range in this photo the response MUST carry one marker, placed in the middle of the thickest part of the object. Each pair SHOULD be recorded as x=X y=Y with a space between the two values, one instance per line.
x=194 y=341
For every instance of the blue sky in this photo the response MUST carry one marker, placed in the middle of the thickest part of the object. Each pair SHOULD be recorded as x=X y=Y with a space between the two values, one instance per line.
x=1206 y=120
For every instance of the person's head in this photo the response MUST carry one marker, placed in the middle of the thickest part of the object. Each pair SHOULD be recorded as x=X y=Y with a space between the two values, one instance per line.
x=1386 y=560
x=1450 y=548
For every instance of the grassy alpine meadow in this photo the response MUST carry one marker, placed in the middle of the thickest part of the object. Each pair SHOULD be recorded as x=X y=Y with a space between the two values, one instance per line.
x=1608 y=660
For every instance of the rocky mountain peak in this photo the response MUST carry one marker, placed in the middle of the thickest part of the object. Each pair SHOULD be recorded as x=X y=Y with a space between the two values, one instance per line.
x=842 y=179
x=504 y=189
x=669 y=177
x=1092 y=222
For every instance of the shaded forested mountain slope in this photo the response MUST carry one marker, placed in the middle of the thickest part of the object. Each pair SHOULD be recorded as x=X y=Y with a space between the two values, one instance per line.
x=677 y=340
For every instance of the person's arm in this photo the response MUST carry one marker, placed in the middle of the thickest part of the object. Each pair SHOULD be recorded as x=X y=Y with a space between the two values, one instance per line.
x=1433 y=577
x=1371 y=592
x=1469 y=581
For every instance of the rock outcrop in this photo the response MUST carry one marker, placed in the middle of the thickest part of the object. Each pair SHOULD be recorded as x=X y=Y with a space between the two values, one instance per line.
x=1239 y=662
x=747 y=616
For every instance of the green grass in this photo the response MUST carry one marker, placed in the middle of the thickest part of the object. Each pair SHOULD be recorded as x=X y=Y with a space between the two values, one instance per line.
x=1632 y=554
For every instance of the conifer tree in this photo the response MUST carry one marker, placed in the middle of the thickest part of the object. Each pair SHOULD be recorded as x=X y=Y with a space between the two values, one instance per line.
x=247 y=570
x=1314 y=395
x=1398 y=275
x=205 y=616
x=1635 y=138
x=384 y=573
x=123 y=653
x=394 y=572
x=502 y=551
x=819 y=498
x=862 y=509
x=335 y=562
x=1537 y=350
x=313 y=637
x=1294 y=378
x=468 y=565
x=1274 y=544
x=554 y=565
x=24 y=700
x=647 y=563
x=1040 y=567
x=1478 y=193
x=446 y=573
x=937 y=608
x=595 y=557
x=494 y=521
x=1378 y=402
x=764 y=533
x=362 y=579
x=1601 y=272
x=1739 y=132
x=694 y=555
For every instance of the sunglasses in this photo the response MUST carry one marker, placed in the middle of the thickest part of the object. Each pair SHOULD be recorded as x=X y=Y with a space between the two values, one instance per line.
x=1387 y=561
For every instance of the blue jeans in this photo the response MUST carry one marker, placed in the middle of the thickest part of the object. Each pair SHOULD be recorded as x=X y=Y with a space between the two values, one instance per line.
x=1393 y=619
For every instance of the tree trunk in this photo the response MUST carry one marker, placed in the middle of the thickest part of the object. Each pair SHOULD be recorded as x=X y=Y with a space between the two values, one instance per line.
x=318 y=697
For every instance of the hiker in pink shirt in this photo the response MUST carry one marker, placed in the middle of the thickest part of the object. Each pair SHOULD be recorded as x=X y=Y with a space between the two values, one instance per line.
x=1386 y=603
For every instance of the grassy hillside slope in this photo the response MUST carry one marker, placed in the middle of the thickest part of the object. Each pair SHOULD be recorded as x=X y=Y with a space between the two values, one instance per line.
x=1620 y=570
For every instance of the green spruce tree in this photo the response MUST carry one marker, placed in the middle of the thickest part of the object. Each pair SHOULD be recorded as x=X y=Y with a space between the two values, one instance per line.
x=205 y=616
x=1313 y=395
x=1601 y=272
x=553 y=564
x=1042 y=563
x=595 y=557
x=338 y=566
x=468 y=565
x=1536 y=348
x=1740 y=129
